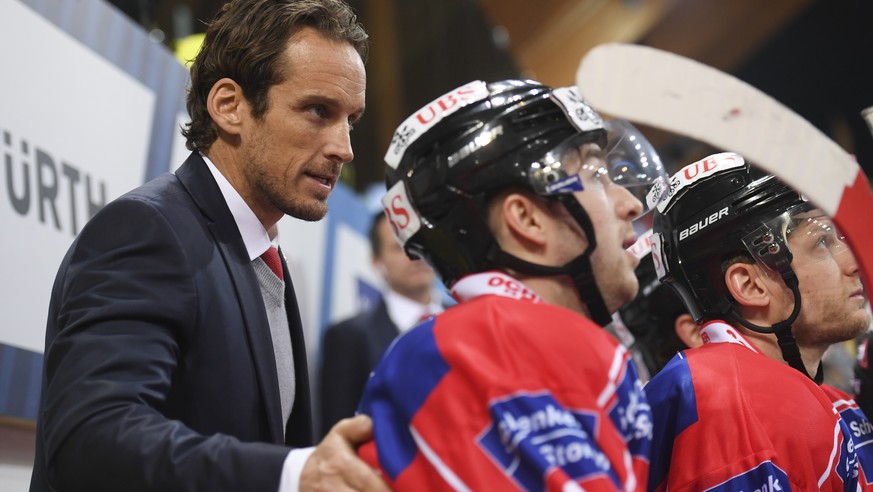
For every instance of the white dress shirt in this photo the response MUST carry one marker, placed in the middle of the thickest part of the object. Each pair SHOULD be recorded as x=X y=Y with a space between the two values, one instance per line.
x=405 y=313
x=257 y=240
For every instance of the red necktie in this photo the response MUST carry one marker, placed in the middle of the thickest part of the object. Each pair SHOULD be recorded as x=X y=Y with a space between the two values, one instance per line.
x=271 y=258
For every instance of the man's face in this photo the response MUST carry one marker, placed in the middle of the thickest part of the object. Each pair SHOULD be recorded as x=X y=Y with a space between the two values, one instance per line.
x=411 y=278
x=611 y=209
x=832 y=296
x=293 y=155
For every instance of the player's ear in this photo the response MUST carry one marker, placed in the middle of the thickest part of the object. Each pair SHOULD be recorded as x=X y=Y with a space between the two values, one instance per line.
x=747 y=284
x=687 y=330
x=226 y=104
x=524 y=218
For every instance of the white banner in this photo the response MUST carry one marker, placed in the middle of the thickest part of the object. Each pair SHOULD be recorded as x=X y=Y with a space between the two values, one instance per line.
x=74 y=134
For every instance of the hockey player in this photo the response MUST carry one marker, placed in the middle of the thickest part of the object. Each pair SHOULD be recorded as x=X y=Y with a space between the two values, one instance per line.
x=517 y=196
x=772 y=281
x=655 y=325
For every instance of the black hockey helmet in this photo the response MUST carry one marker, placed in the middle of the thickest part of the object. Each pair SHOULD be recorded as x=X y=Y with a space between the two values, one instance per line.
x=446 y=161
x=719 y=210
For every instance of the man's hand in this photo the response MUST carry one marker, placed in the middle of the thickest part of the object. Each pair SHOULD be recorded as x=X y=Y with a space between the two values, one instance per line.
x=334 y=465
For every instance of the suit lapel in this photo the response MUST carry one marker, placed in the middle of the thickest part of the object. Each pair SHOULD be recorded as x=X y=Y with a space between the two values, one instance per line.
x=384 y=329
x=196 y=178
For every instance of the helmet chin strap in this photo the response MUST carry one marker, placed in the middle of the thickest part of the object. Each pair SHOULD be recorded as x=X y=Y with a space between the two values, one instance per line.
x=578 y=269
x=782 y=330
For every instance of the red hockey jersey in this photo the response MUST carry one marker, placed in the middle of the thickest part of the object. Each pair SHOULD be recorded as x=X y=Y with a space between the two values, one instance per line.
x=860 y=430
x=728 y=418
x=506 y=392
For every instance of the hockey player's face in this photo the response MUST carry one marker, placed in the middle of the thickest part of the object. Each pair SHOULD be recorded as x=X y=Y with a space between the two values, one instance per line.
x=832 y=296
x=611 y=209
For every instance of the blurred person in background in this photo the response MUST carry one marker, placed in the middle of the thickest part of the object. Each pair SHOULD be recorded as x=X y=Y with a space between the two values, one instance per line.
x=352 y=347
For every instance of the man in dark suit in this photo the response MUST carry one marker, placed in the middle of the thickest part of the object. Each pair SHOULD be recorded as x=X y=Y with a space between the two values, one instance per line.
x=351 y=348
x=175 y=358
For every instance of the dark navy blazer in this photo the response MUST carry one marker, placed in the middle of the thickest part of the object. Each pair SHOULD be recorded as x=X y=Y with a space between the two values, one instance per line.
x=159 y=369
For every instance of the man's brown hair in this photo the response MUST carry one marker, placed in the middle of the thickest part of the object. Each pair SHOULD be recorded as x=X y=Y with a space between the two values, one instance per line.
x=245 y=42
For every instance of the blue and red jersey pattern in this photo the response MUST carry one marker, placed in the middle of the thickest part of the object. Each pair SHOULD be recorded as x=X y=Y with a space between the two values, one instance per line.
x=508 y=394
x=860 y=432
x=728 y=418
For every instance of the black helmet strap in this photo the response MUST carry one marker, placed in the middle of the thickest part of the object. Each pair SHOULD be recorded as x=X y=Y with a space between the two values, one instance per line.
x=782 y=330
x=578 y=269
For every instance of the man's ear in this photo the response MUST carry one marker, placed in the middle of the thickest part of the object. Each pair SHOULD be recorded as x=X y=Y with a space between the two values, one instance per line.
x=524 y=218
x=687 y=330
x=747 y=283
x=225 y=104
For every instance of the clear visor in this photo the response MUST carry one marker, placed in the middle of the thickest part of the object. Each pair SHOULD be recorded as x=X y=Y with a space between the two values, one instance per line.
x=809 y=234
x=628 y=160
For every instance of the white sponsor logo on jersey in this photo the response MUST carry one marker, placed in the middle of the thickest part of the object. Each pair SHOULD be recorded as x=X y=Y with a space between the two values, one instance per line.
x=861 y=428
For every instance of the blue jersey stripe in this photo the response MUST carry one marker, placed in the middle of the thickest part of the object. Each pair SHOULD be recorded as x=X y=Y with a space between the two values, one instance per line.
x=674 y=408
x=395 y=393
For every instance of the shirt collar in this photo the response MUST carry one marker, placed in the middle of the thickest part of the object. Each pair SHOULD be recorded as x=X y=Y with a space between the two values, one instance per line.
x=721 y=332
x=495 y=283
x=405 y=312
x=254 y=236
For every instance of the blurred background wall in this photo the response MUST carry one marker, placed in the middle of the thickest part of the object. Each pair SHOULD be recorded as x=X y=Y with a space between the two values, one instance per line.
x=815 y=56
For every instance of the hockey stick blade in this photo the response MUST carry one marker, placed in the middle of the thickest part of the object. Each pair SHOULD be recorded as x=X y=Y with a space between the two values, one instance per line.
x=667 y=91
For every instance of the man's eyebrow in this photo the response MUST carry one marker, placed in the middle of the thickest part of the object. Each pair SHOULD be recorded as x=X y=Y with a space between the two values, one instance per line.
x=328 y=101
x=823 y=218
x=815 y=222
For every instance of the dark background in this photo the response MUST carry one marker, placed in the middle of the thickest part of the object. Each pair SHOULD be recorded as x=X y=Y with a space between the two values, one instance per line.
x=814 y=56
